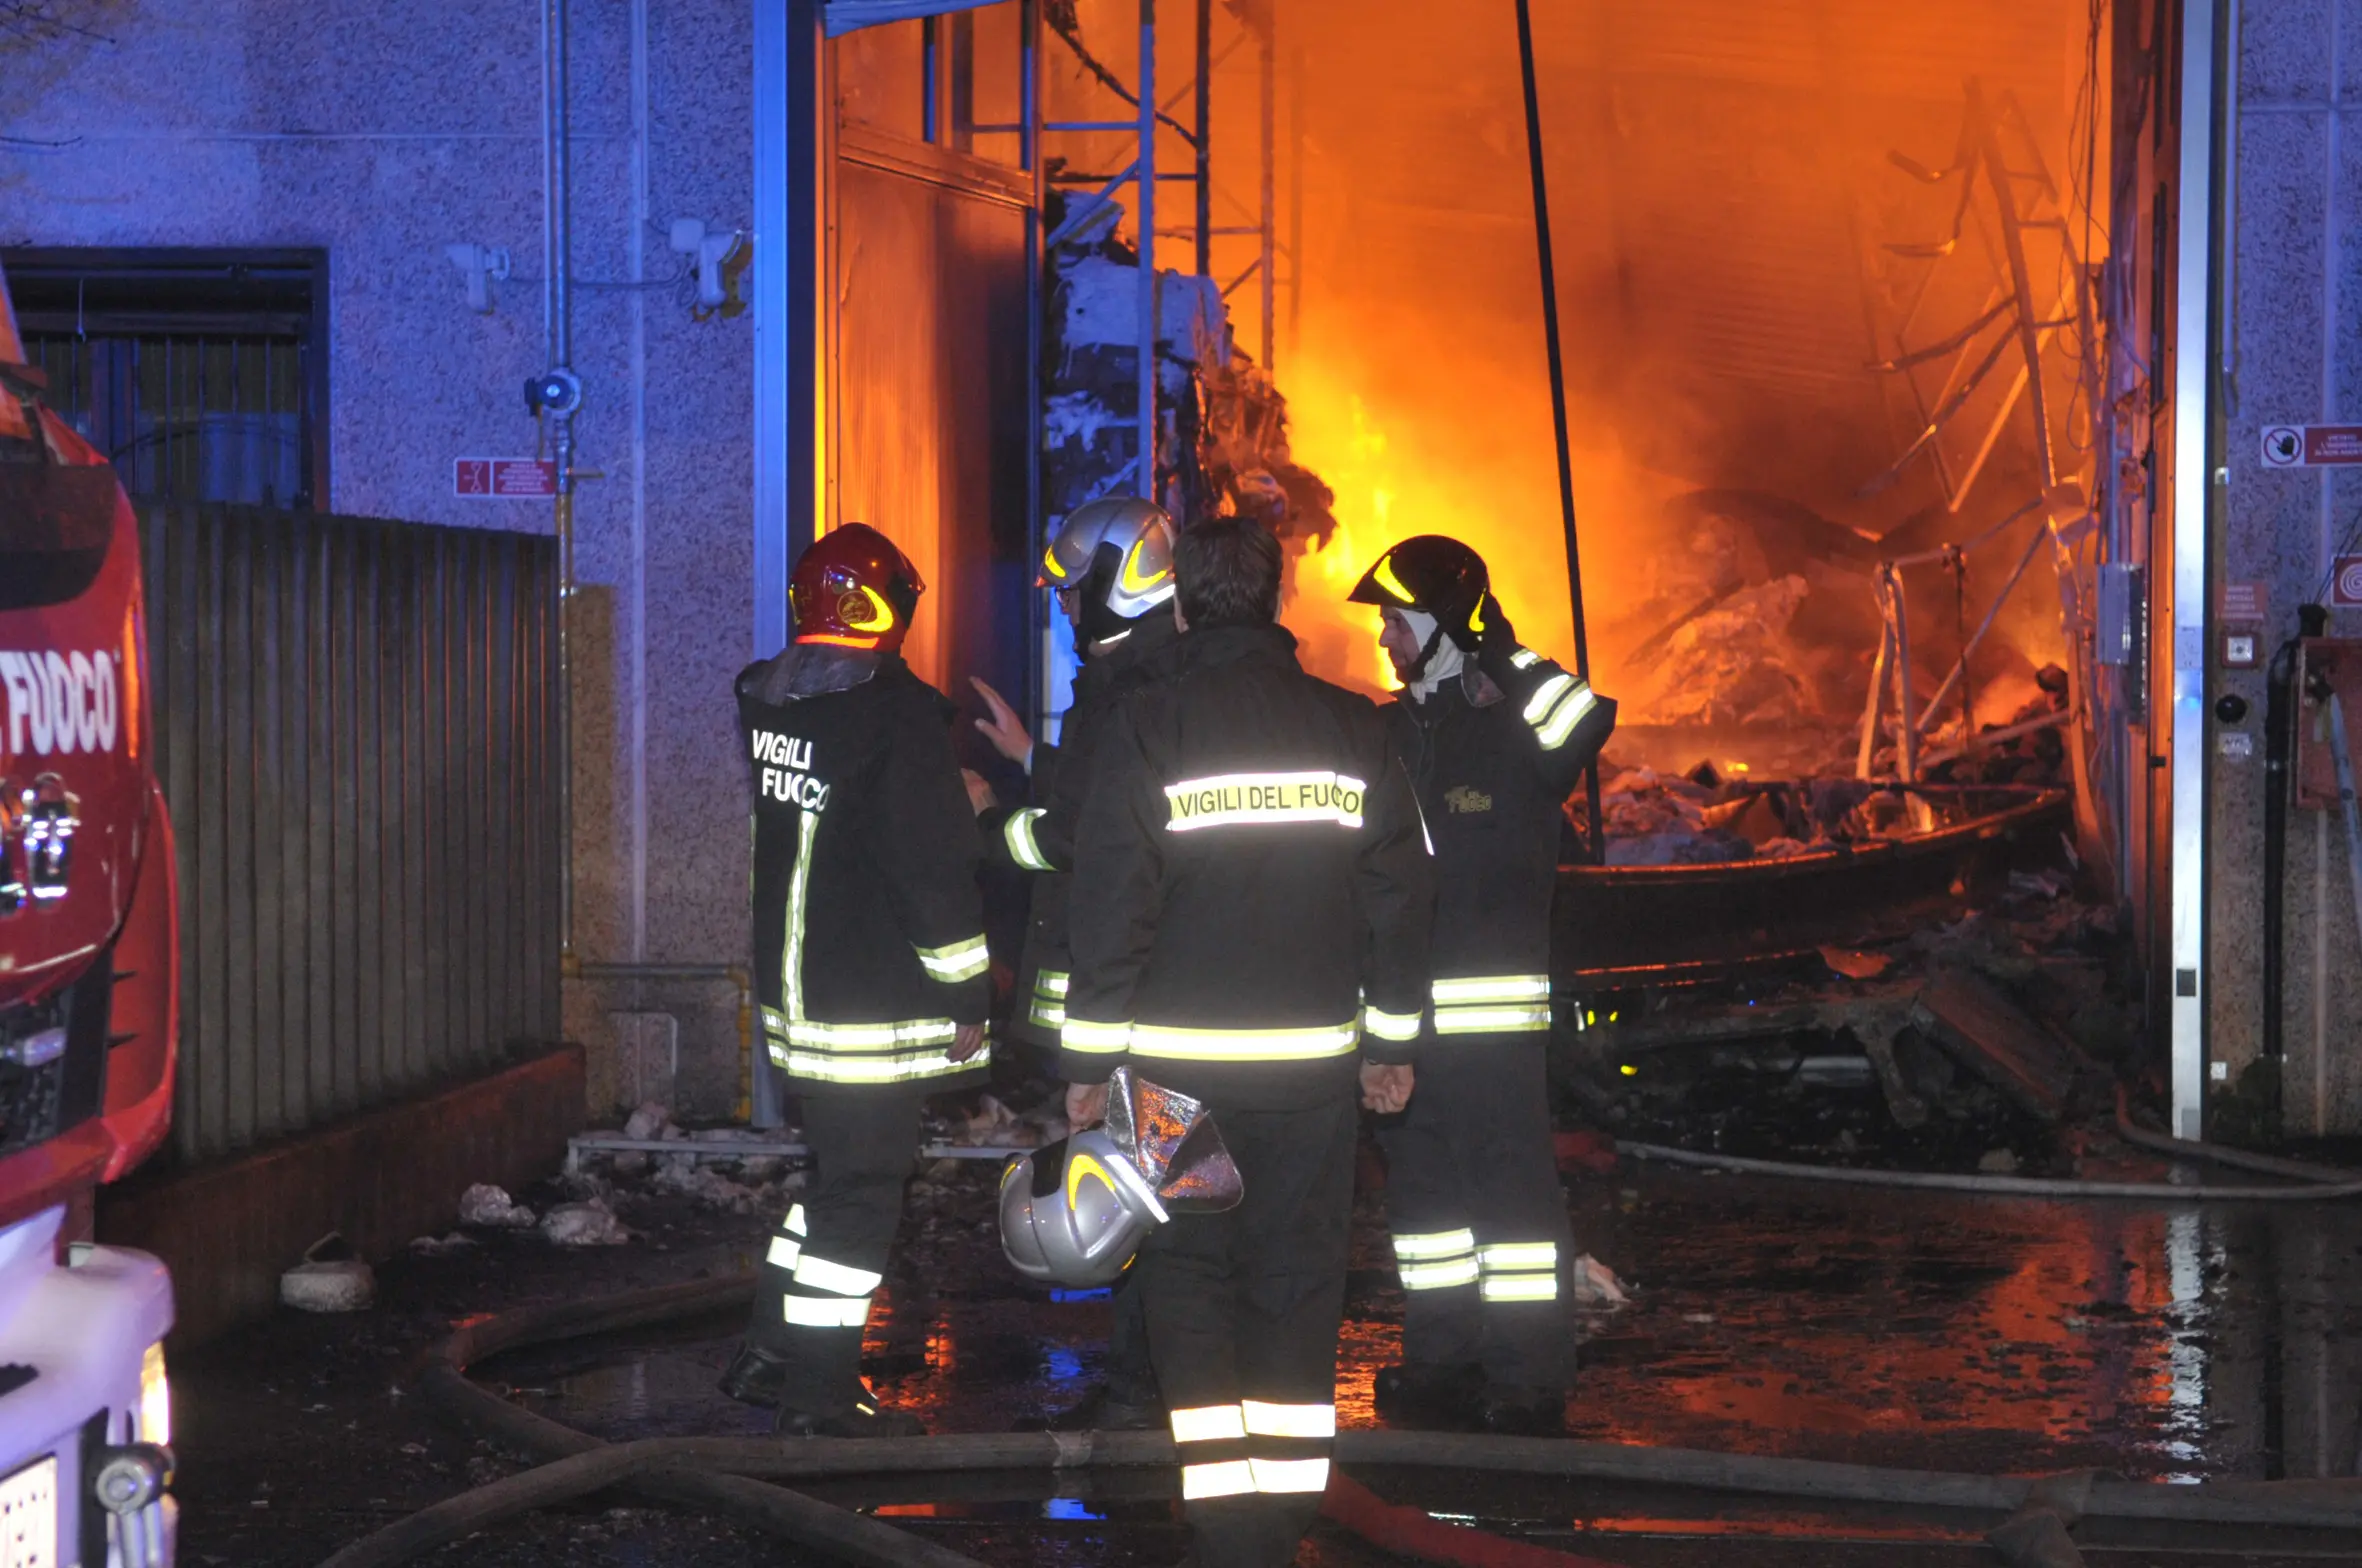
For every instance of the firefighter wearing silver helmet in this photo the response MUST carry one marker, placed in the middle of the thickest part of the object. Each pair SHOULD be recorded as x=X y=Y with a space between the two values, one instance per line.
x=1110 y=566
x=1494 y=736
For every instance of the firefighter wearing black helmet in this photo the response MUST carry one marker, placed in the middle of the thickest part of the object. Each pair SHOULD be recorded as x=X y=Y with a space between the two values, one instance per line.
x=870 y=963
x=1251 y=902
x=1110 y=566
x=1495 y=737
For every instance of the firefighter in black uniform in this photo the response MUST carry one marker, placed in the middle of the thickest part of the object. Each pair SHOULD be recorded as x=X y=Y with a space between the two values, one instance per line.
x=1495 y=737
x=870 y=964
x=1111 y=567
x=1249 y=924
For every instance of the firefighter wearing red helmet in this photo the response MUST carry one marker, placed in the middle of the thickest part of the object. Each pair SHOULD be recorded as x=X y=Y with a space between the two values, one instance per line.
x=869 y=958
x=1495 y=737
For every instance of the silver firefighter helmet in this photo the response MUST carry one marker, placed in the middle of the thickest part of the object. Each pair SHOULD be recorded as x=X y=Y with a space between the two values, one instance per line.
x=1118 y=551
x=1074 y=1212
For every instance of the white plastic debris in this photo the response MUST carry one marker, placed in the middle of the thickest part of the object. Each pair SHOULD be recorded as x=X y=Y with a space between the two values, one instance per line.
x=650 y=1121
x=490 y=1206
x=1596 y=1284
x=329 y=1279
x=436 y=1246
x=705 y=1185
x=591 y=1224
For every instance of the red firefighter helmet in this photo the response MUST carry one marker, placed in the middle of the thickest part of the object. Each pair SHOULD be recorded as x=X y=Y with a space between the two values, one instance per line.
x=852 y=588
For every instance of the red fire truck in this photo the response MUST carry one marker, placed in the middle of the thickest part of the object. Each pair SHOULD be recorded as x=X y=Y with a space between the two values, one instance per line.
x=89 y=960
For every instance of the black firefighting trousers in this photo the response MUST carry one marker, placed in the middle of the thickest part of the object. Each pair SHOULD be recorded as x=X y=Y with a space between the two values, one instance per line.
x=1243 y=1309
x=828 y=1256
x=1479 y=1221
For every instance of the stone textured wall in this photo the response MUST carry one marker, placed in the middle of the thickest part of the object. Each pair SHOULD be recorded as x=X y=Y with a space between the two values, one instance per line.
x=2297 y=359
x=384 y=131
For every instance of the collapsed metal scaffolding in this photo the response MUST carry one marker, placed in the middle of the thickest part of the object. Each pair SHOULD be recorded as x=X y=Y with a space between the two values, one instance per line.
x=1999 y=151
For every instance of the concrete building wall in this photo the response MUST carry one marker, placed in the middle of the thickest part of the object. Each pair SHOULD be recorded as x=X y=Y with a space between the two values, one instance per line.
x=2295 y=357
x=384 y=131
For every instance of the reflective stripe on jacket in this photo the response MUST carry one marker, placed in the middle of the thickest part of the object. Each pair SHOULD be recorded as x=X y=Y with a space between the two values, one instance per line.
x=868 y=928
x=1251 y=883
x=1493 y=756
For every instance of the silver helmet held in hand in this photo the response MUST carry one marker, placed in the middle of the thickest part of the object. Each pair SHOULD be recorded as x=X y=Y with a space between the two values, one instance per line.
x=1074 y=1212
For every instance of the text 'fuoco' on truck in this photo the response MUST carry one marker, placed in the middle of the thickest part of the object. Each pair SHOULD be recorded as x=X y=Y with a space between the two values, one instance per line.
x=89 y=966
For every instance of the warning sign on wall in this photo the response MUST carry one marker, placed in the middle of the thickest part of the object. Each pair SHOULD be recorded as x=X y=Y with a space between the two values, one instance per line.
x=2345 y=582
x=2312 y=446
x=504 y=478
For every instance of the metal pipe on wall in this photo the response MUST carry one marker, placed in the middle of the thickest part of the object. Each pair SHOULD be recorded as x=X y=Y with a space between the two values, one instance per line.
x=557 y=268
x=1144 y=474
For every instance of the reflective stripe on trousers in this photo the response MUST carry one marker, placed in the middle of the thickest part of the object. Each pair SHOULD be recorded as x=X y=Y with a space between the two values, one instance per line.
x=1492 y=1004
x=1436 y=1260
x=1244 y=1422
x=1519 y=1270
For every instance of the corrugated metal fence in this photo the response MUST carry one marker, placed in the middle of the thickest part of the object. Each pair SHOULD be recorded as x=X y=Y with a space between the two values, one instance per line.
x=357 y=734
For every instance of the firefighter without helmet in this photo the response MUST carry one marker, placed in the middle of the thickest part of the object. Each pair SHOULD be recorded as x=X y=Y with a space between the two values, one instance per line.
x=1117 y=552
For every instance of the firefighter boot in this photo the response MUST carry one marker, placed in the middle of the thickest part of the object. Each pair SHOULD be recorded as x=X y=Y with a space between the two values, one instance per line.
x=755 y=1377
x=1105 y=1409
x=864 y=1417
x=1443 y=1397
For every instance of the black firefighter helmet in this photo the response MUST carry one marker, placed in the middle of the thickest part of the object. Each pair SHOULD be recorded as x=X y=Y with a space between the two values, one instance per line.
x=1435 y=575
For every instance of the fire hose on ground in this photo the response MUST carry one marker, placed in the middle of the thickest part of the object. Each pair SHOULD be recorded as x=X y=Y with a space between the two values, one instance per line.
x=736 y=1477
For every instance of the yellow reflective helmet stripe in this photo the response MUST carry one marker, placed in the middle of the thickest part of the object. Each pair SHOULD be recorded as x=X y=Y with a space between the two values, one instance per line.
x=878 y=616
x=1024 y=847
x=1383 y=575
x=1050 y=566
x=1132 y=581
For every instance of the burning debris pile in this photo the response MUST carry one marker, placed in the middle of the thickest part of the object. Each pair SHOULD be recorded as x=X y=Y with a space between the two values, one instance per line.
x=1704 y=818
x=1222 y=443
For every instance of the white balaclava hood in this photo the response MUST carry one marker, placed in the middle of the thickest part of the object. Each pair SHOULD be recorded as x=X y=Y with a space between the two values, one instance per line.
x=1442 y=665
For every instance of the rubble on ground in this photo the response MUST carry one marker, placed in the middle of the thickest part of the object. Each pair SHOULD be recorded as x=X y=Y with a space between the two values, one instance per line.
x=491 y=1207
x=331 y=1278
x=587 y=1224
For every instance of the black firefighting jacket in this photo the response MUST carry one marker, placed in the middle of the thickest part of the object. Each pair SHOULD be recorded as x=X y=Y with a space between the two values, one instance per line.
x=1040 y=837
x=1494 y=756
x=868 y=928
x=1252 y=890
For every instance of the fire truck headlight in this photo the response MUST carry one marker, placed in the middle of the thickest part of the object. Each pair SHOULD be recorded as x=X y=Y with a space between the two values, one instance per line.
x=128 y=1479
x=155 y=1399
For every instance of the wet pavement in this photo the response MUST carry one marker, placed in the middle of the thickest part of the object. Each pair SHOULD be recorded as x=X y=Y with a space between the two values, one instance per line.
x=1975 y=1334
